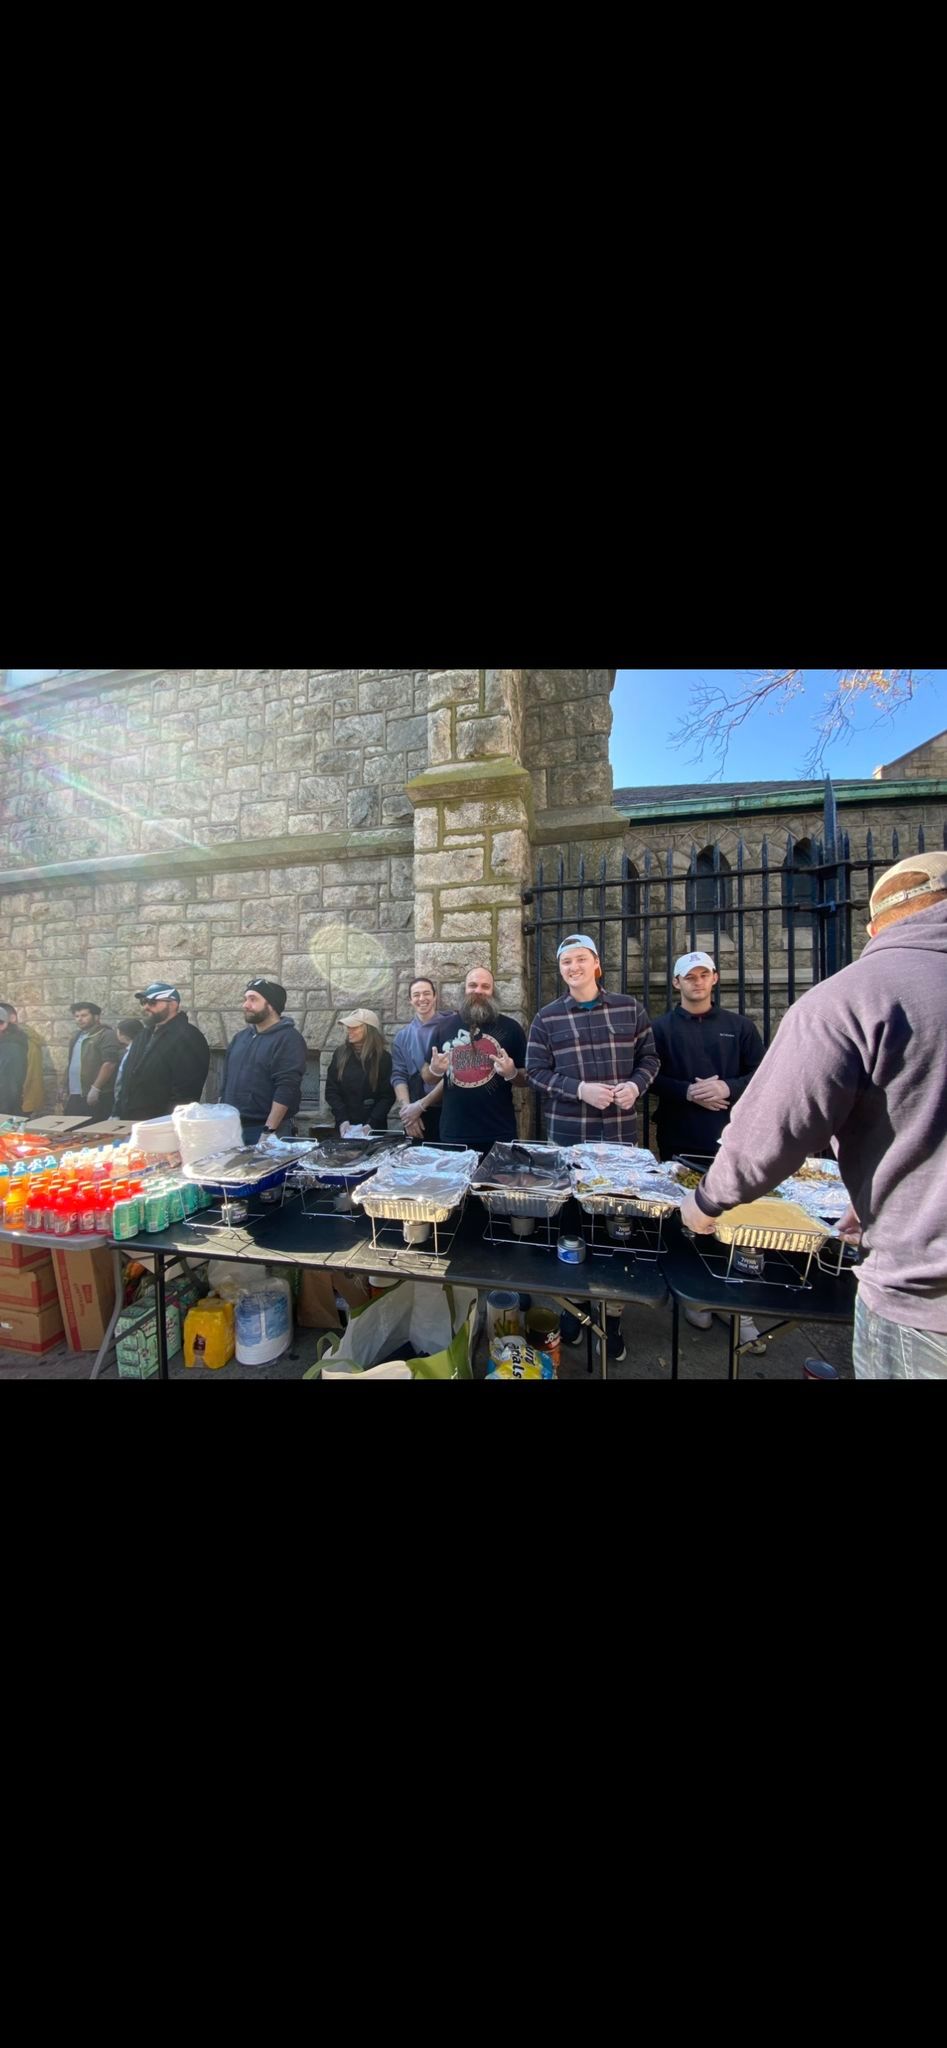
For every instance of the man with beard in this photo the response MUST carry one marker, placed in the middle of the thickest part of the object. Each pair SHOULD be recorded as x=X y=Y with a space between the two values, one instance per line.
x=94 y=1054
x=265 y=1064
x=478 y=1053
x=168 y=1062
x=419 y=1106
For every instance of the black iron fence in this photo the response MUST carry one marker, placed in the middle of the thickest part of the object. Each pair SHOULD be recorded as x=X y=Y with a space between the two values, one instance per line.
x=774 y=925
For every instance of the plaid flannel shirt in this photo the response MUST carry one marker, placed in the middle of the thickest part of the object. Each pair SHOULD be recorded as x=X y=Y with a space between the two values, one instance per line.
x=569 y=1045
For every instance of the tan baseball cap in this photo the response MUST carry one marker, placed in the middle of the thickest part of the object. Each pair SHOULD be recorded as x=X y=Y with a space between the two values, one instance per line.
x=369 y=1017
x=929 y=873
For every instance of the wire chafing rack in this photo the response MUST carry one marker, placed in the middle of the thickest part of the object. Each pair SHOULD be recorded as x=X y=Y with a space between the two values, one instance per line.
x=513 y=1213
x=763 y=1255
x=622 y=1223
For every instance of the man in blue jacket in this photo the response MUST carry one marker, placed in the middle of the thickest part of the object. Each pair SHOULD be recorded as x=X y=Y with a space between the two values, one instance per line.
x=265 y=1064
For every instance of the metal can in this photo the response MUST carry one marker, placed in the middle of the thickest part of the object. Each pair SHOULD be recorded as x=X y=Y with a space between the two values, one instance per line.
x=571 y=1250
x=157 y=1216
x=126 y=1218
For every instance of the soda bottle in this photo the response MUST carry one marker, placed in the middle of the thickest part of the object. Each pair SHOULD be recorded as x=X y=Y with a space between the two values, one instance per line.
x=66 y=1222
x=104 y=1203
x=14 y=1208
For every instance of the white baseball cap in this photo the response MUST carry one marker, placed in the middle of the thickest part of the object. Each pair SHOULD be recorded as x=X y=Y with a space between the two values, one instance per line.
x=689 y=960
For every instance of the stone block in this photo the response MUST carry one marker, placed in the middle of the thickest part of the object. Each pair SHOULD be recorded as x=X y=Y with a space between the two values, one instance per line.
x=426 y=830
x=509 y=856
x=389 y=693
x=471 y=924
x=440 y=739
x=269 y=914
x=263 y=821
x=482 y=739
x=464 y=866
x=225 y=810
x=360 y=732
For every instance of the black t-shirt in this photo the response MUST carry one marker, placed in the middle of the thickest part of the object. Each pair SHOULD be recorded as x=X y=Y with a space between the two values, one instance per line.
x=477 y=1108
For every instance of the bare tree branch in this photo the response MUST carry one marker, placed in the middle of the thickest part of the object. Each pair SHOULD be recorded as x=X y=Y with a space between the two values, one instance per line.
x=714 y=715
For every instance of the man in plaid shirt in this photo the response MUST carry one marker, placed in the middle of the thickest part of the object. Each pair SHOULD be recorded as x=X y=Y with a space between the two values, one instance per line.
x=591 y=1053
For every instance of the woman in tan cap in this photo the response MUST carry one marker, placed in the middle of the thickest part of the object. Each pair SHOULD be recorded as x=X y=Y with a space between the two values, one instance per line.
x=358 y=1083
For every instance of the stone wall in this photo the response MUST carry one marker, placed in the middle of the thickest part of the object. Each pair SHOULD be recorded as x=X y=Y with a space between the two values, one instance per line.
x=215 y=824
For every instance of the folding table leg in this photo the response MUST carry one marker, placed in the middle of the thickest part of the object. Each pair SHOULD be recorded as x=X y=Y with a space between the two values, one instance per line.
x=105 y=1346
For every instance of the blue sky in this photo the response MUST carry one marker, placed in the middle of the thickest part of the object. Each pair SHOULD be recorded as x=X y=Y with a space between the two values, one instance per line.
x=649 y=703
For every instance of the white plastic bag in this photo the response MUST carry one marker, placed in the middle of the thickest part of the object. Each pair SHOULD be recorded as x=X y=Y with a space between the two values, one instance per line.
x=418 y=1313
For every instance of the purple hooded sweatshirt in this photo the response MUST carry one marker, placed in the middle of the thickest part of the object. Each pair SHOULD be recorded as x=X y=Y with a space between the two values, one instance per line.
x=862 y=1059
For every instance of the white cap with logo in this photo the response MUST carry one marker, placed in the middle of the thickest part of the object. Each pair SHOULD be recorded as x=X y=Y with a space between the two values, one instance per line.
x=686 y=961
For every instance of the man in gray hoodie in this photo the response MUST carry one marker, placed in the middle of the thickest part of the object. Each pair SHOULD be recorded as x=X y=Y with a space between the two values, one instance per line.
x=862 y=1060
x=265 y=1064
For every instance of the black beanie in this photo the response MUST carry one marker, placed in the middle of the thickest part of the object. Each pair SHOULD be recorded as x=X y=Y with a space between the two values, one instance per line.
x=273 y=992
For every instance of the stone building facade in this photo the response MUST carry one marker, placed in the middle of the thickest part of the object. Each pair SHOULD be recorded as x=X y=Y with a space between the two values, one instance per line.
x=339 y=829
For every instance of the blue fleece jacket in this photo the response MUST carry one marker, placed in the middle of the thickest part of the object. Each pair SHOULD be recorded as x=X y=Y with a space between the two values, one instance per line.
x=263 y=1067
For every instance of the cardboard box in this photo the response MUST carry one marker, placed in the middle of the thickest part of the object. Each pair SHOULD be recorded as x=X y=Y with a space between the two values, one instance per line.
x=136 y=1337
x=86 y=1292
x=318 y=1287
x=28 y=1286
x=56 y=1126
x=99 y=1134
x=31 y=1329
x=18 y=1258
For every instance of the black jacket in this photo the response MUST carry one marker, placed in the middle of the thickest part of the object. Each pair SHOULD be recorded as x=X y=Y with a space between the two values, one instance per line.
x=167 y=1064
x=14 y=1052
x=719 y=1043
x=263 y=1067
x=349 y=1092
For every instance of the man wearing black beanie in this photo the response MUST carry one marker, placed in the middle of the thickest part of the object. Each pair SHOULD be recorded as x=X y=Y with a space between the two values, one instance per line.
x=265 y=1064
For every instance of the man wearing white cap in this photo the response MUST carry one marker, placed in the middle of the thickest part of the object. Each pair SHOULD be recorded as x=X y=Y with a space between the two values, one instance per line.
x=861 y=1060
x=591 y=1054
x=708 y=1058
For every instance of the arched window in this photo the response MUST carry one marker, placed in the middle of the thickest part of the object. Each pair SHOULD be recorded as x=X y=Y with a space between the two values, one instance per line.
x=804 y=887
x=711 y=891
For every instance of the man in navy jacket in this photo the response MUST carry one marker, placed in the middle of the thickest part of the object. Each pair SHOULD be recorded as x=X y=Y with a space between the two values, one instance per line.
x=708 y=1057
x=265 y=1064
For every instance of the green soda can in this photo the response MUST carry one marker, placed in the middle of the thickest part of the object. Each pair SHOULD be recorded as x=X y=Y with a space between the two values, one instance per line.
x=175 y=1194
x=192 y=1197
x=126 y=1218
x=157 y=1215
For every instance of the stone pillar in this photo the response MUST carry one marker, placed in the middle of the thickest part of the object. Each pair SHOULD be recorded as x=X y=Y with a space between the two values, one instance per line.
x=472 y=826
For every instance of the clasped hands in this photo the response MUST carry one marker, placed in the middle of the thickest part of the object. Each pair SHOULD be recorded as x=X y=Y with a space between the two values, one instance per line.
x=609 y=1095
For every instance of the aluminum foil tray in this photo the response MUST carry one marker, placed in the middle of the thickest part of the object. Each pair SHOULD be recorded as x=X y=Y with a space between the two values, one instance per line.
x=625 y=1205
x=516 y=1201
x=234 y=1178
